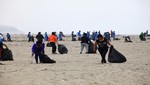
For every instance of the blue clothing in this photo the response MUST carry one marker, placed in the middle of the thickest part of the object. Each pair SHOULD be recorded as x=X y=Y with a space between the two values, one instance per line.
x=38 y=49
x=60 y=36
x=46 y=37
x=79 y=34
x=1 y=39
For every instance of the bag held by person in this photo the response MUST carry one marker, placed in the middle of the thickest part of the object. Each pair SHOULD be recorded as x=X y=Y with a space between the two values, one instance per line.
x=46 y=59
x=115 y=57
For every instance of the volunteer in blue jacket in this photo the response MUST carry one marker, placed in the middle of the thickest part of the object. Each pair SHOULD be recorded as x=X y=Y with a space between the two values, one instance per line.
x=38 y=49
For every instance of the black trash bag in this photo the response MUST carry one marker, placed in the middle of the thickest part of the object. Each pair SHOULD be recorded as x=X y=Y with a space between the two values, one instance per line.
x=46 y=59
x=91 y=48
x=62 y=49
x=115 y=57
x=7 y=55
x=48 y=45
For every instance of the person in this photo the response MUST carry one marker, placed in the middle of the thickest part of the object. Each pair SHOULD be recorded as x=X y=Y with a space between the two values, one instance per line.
x=8 y=37
x=79 y=35
x=53 y=41
x=29 y=36
x=38 y=49
x=102 y=47
x=46 y=37
x=60 y=35
x=127 y=38
x=84 y=42
x=142 y=37
x=39 y=37
x=1 y=48
x=73 y=36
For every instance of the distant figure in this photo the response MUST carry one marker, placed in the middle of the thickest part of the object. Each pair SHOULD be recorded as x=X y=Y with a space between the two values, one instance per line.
x=53 y=41
x=102 y=47
x=46 y=36
x=79 y=35
x=38 y=50
x=142 y=37
x=1 y=38
x=95 y=36
x=107 y=36
x=113 y=35
x=60 y=35
x=29 y=36
x=8 y=37
x=89 y=35
x=84 y=42
x=39 y=37
x=73 y=36
x=127 y=38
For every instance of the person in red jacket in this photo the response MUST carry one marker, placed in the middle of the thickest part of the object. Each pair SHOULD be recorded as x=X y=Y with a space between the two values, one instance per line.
x=53 y=41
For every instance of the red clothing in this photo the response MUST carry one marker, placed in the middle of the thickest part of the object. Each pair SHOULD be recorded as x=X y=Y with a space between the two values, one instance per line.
x=52 y=38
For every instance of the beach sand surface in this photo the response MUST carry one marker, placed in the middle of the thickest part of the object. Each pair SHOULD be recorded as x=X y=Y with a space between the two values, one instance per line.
x=75 y=68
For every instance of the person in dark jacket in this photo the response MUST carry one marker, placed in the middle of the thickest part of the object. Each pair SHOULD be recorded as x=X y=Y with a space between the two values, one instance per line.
x=38 y=49
x=102 y=47
x=39 y=37
x=84 y=43
x=1 y=49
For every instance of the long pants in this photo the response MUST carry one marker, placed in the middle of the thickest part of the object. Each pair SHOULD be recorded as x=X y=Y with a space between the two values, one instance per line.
x=53 y=47
x=38 y=55
x=103 y=54
x=84 y=45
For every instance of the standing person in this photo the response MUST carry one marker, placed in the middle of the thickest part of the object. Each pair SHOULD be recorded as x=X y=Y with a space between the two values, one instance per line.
x=79 y=35
x=84 y=43
x=38 y=49
x=102 y=47
x=8 y=37
x=46 y=37
x=39 y=37
x=29 y=36
x=53 y=41
x=60 y=35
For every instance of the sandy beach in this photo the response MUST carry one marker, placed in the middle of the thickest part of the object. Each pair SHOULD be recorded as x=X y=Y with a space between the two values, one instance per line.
x=75 y=68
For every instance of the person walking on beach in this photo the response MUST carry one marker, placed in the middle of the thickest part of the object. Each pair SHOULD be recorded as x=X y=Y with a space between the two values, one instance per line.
x=53 y=41
x=39 y=37
x=84 y=43
x=102 y=47
x=38 y=50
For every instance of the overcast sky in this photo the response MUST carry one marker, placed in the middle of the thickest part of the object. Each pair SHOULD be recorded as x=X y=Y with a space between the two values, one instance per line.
x=123 y=16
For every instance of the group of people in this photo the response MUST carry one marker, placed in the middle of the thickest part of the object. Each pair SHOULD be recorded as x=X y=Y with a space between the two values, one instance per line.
x=8 y=36
x=101 y=42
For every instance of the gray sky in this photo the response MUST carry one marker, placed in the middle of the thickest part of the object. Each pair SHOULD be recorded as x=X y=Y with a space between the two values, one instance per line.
x=123 y=16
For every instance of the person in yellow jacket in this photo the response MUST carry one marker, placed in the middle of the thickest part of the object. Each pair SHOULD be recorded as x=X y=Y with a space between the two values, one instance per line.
x=53 y=41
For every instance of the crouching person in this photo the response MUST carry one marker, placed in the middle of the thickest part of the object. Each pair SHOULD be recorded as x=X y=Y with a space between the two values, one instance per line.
x=38 y=49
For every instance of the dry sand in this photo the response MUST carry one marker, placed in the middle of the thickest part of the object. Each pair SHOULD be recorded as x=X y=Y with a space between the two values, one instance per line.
x=77 y=69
